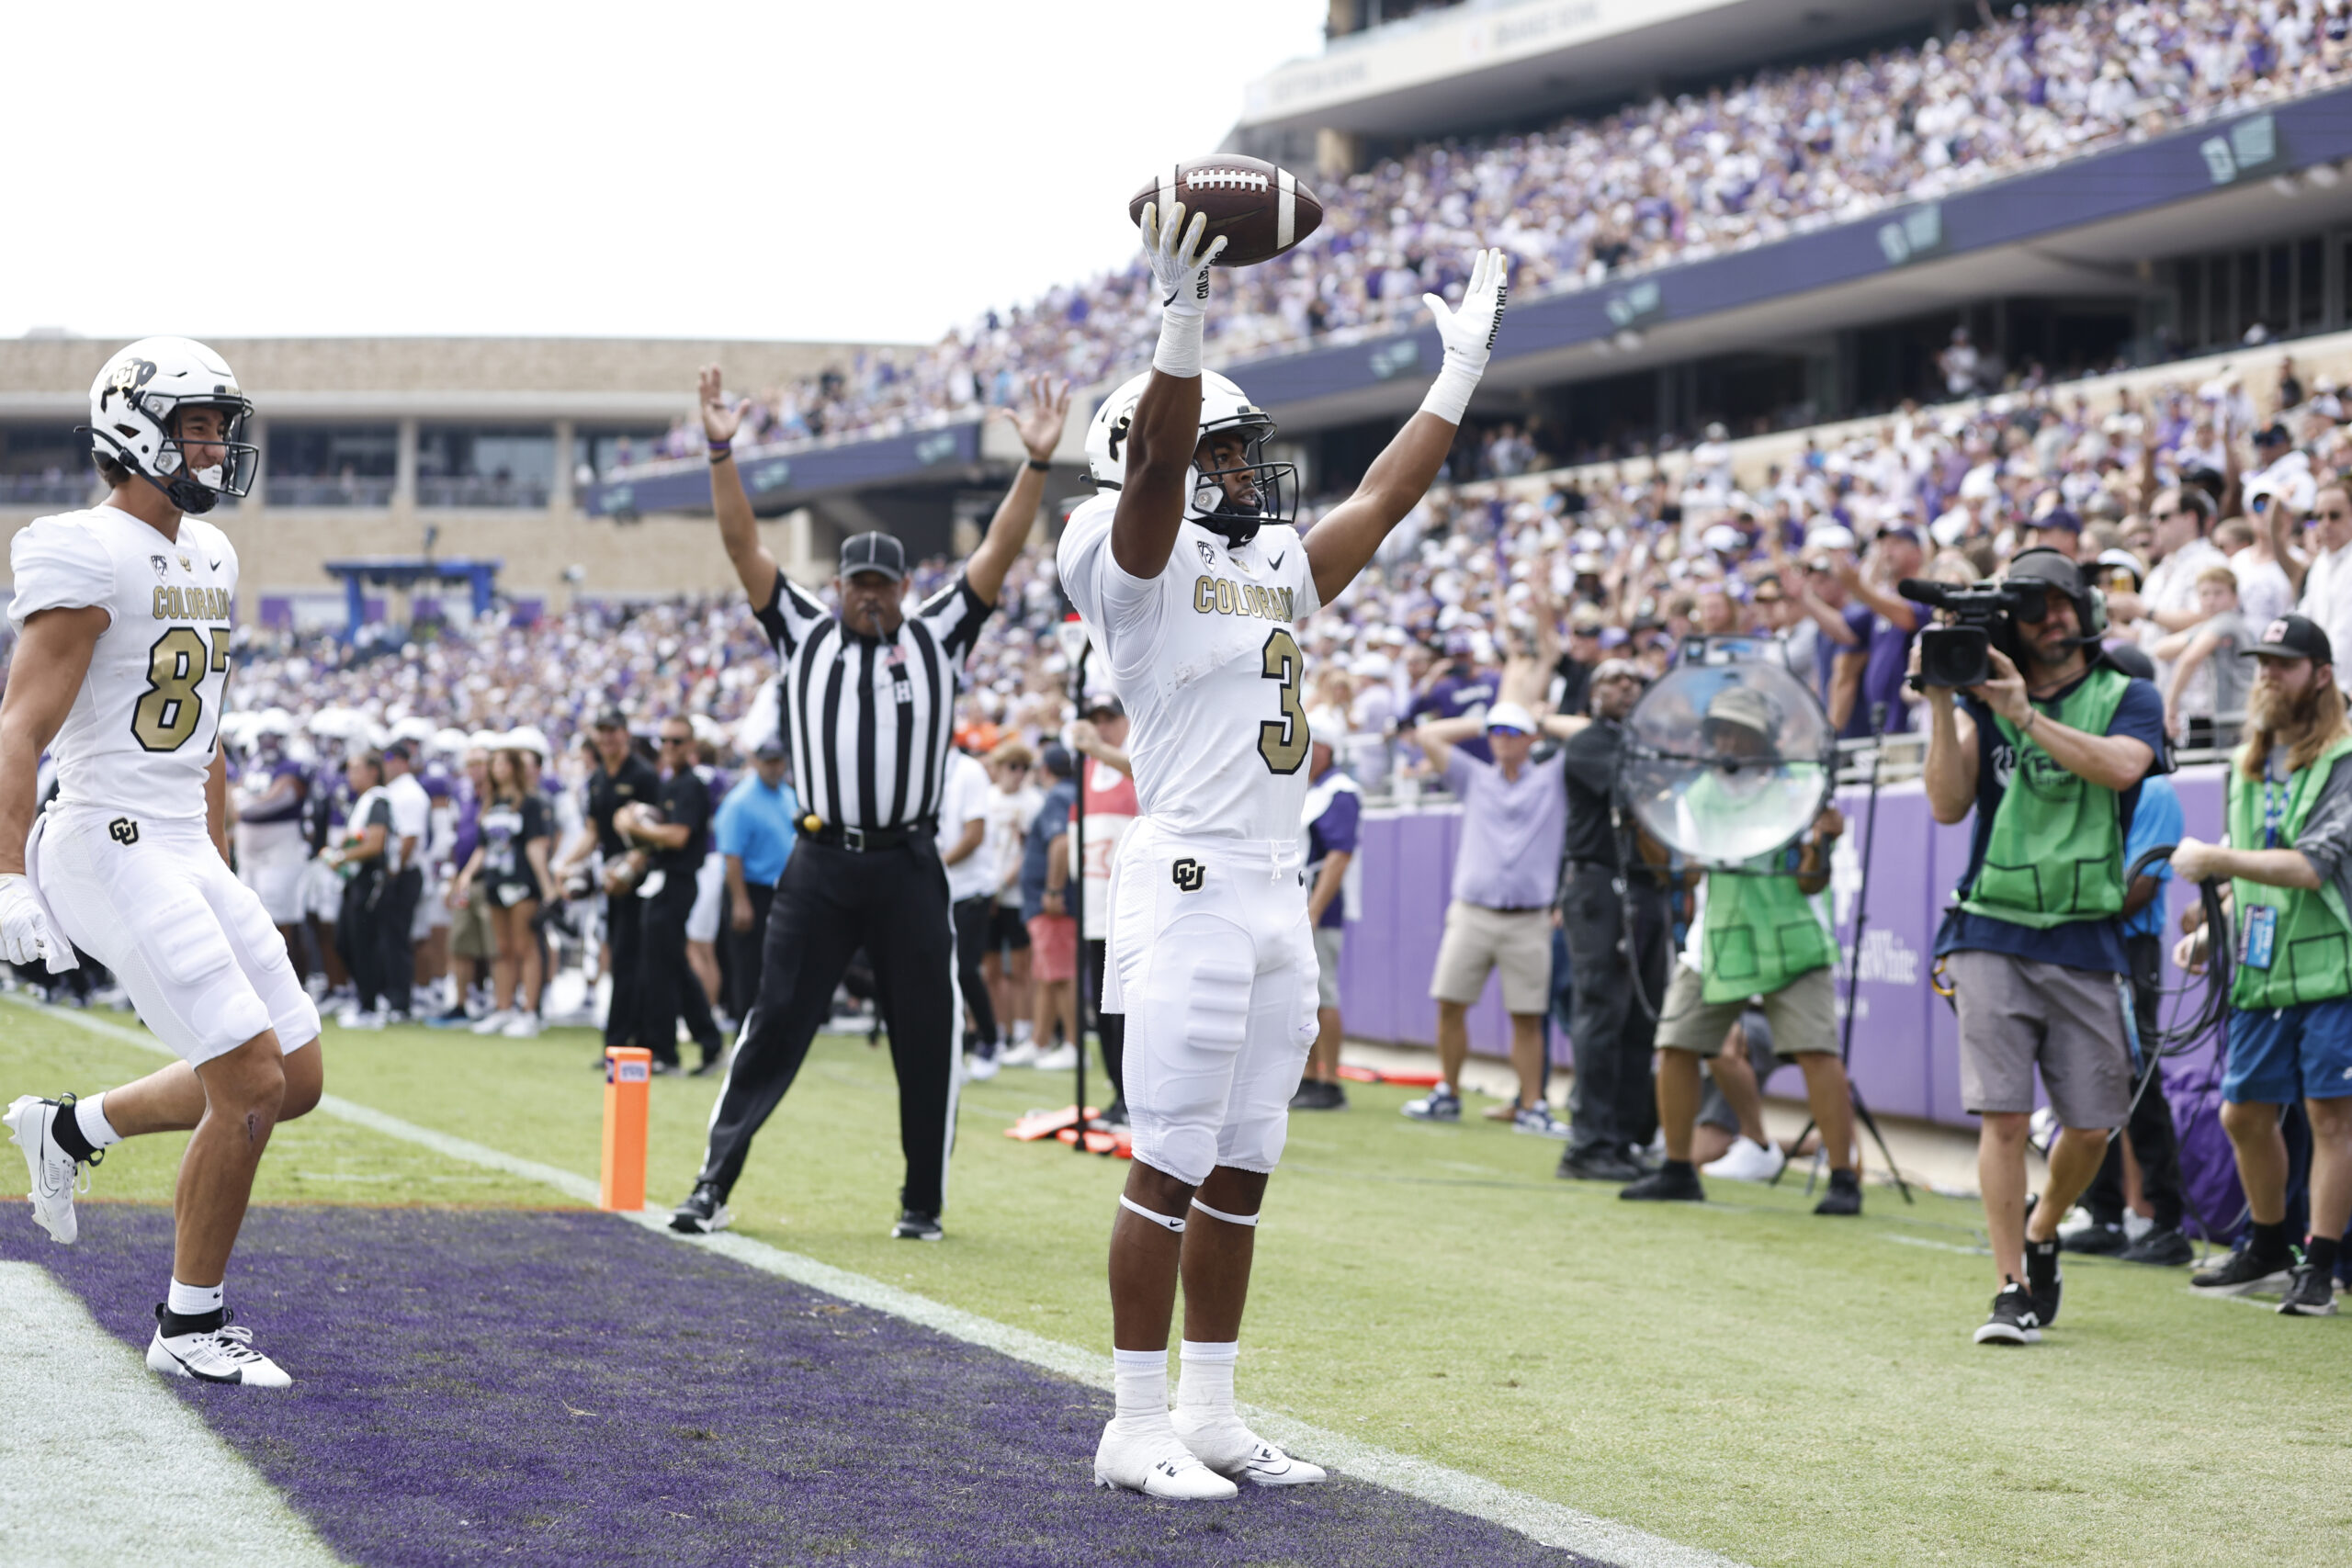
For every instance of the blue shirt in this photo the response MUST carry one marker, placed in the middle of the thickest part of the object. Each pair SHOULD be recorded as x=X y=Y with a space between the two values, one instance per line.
x=1051 y=821
x=2158 y=822
x=2076 y=944
x=1334 y=832
x=755 y=826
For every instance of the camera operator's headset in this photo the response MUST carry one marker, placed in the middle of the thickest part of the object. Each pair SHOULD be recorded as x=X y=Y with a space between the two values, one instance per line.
x=2056 y=571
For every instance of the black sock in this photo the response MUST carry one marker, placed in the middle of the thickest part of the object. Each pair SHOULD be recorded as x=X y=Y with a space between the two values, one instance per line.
x=2320 y=1252
x=1680 y=1168
x=1844 y=1179
x=202 y=1322
x=66 y=1131
x=2270 y=1242
x=2041 y=1266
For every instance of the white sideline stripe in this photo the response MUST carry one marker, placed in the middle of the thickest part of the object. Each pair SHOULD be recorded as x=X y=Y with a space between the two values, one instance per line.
x=1541 y=1520
x=105 y=1465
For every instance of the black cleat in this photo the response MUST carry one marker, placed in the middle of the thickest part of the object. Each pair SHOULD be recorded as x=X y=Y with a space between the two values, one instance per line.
x=2244 y=1272
x=1667 y=1184
x=2042 y=1278
x=1844 y=1197
x=703 y=1211
x=2160 y=1248
x=2097 y=1240
x=2016 y=1319
x=2310 y=1292
x=915 y=1225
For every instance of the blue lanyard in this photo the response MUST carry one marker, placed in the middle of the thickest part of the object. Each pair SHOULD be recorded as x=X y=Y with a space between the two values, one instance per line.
x=2274 y=808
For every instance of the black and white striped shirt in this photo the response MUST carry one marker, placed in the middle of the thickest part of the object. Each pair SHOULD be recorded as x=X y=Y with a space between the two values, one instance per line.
x=868 y=721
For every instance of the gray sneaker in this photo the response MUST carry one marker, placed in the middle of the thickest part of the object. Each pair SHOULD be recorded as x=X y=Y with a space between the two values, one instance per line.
x=1441 y=1104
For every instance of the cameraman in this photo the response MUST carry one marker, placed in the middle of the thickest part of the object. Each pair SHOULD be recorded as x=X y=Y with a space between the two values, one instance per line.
x=2034 y=950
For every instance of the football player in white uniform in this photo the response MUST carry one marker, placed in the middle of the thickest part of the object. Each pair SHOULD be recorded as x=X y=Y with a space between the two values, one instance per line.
x=1190 y=578
x=122 y=614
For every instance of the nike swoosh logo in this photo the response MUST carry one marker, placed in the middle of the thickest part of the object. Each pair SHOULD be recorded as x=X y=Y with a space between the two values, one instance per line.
x=216 y=566
x=1278 y=560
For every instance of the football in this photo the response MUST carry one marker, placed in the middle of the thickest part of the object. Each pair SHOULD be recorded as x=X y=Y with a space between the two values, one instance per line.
x=1261 y=210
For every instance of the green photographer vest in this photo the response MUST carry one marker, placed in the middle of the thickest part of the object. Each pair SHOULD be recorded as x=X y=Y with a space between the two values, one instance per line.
x=1759 y=930
x=2311 y=951
x=2056 y=852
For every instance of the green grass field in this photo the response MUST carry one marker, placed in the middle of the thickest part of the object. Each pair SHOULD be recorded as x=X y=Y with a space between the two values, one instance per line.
x=1742 y=1376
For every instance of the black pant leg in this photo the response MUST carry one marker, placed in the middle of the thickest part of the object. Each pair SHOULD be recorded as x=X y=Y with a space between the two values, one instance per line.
x=396 y=954
x=1111 y=1027
x=356 y=934
x=813 y=926
x=1592 y=918
x=667 y=986
x=971 y=941
x=743 y=978
x=624 y=930
x=1653 y=954
x=911 y=940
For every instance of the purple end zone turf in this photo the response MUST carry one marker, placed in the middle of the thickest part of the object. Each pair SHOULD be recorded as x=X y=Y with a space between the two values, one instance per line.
x=565 y=1388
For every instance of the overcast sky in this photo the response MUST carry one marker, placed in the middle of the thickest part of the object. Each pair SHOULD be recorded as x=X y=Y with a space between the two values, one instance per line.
x=878 y=170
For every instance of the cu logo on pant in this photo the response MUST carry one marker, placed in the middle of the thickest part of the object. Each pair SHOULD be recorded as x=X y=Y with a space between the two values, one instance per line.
x=123 y=831
x=1189 y=875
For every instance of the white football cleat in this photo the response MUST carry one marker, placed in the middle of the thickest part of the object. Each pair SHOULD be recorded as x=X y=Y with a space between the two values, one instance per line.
x=1746 y=1160
x=1157 y=1464
x=215 y=1354
x=52 y=1169
x=1232 y=1450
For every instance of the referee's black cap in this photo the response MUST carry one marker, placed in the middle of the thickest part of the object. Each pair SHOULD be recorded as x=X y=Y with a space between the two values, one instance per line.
x=875 y=552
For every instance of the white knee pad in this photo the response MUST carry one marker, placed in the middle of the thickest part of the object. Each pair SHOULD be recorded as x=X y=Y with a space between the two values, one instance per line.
x=261 y=957
x=1186 y=1026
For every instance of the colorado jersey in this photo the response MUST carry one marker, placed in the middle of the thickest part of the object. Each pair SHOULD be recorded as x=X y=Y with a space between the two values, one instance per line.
x=141 y=734
x=1206 y=659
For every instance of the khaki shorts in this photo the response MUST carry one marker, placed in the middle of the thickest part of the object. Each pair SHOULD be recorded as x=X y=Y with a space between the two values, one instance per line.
x=2015 y=1013
x=470 y=932
x=1328 y=939
x=1804 y=1014
x=1518 y=941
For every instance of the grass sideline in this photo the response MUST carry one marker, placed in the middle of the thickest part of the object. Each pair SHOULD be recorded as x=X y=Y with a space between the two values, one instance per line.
x=1741 y=1376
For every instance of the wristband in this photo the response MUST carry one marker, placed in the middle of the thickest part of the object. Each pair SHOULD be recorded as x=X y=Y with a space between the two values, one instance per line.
x=1179 y=353
x=721 y=450
x=1041 y=468
x=1449 y=395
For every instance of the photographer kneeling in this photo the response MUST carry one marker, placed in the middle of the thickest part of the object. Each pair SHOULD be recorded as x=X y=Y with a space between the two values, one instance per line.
x=1760 y=934
x=2290 y=998
x=2034 y=951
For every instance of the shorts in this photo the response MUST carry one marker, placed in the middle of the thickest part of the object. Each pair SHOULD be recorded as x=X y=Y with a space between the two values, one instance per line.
x=1329 y=940
x=192 y=946
x=1006 y=933
x=1714 y=1111
x=277 y=880
x=2278 y=1056
x=1053 y=941
x=430 y=910
x=1804 y=1014
x=321 y=891
x=2017 y=1012
x=470 y=932
x=1213 y=963
x=711 y=894
x=1518 y=941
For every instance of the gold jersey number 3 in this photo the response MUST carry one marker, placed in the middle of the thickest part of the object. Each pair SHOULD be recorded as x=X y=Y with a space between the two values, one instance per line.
x=169 y=711
x=1283 y=741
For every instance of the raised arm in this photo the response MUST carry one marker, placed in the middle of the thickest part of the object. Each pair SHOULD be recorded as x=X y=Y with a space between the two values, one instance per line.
x=1339 y=546
x=738 y=529
x=1437 y=737
x=1040 y=427
x=1166 y=431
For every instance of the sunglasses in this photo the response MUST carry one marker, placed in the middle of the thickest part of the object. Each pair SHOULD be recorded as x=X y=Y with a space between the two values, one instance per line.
x=677 y=740
x=1769 y=599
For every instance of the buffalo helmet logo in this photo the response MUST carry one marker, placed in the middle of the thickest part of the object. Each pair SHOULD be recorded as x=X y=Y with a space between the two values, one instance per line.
x=1189 y=875
x=186 y=565
x=132 y=373
x=123 y=831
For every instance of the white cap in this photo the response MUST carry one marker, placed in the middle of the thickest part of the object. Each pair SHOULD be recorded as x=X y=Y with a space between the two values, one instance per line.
x=526 y=737
x=1723 y=536
x=1828 y=536
x=1511 y=715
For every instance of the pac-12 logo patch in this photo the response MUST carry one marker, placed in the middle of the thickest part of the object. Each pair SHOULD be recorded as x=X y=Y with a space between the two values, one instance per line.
x=1189 y=875
x=1208 y=556
x=123 y=831
x=163 y=567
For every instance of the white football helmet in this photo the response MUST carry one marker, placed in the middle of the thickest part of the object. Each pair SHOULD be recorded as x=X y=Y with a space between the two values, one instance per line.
x=1272 y=488
x=135 y=419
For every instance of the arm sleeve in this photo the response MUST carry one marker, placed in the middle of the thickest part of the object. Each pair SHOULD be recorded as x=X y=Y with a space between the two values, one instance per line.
x=2141 y=715
x=790 y=613
x=59 y=564
x=2326 y=838
x=955 y=615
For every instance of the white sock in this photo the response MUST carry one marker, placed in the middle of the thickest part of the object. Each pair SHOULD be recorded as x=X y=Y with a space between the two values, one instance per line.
x=1207 y=1387
x=1139 y=1385
x=91 y=1117
x=193 y=1300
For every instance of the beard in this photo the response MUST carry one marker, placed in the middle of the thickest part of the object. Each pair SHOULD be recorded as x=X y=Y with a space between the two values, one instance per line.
x=2274 y=711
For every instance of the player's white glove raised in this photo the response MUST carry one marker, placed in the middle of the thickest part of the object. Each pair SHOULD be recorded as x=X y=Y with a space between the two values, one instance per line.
x=1468 y=333
x=25 y=934
x=1180 y=267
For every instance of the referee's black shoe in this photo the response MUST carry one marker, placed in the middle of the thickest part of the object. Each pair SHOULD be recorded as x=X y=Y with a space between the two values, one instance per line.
x=703 y=1211
x=915 y=1225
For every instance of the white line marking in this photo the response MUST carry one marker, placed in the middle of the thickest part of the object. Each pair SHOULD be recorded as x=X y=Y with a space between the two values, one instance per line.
x=1936 y=1246
x=1540 y=1519
x=104 y=1463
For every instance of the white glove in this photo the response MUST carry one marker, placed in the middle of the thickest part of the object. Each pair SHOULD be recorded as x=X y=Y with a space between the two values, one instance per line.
x=1468 y=335
x=25 y=936
x=1180 y=267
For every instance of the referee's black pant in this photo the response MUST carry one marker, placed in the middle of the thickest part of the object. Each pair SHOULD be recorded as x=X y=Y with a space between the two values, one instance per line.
x=743 y=948
x=828 y=903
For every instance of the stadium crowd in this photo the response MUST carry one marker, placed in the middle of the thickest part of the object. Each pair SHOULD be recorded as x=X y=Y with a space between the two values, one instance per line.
x=1670 y=180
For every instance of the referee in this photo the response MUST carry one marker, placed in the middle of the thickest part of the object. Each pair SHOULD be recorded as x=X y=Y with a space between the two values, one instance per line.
x=868 y=709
